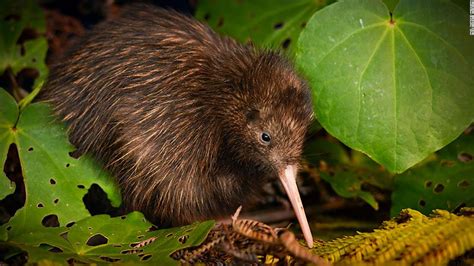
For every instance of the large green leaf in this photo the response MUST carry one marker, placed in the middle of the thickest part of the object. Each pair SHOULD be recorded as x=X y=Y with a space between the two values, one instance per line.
x=26 y=13
x=443 y=183
x=15 y=17
x=101 y=239
x=54 y=224
x=55 y=182
x=396 y=88
x=8 y=117
x=268 y=23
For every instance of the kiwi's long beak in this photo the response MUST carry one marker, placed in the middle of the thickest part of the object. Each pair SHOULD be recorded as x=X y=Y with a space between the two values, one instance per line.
x=288 y=179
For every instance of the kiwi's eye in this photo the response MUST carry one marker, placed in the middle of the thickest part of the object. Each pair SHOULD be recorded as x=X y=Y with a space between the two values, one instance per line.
x=265 y=138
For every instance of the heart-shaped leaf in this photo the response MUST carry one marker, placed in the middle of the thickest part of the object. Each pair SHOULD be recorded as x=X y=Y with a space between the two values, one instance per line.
x=395 y=87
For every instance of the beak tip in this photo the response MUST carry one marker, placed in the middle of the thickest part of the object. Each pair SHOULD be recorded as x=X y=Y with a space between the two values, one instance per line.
x=288 y=179
x=309 y=241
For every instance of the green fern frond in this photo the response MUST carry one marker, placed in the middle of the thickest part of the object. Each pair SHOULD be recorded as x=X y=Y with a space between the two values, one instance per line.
x=411 y=238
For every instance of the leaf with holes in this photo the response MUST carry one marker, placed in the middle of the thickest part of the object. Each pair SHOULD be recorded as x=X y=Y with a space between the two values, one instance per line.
x=101 y=239
x=268 y=23
x=55 y=182
x=8 y=117
x=397 y=88
x=445 y=183
x=16 y=18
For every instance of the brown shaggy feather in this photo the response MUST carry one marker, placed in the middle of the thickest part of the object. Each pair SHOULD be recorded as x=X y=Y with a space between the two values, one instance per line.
x=176 y=113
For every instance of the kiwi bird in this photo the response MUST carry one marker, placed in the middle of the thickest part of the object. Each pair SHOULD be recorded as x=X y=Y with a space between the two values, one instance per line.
x=191 y=124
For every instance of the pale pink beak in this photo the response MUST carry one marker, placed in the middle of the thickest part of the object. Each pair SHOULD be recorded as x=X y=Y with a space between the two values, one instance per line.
x=288 y=179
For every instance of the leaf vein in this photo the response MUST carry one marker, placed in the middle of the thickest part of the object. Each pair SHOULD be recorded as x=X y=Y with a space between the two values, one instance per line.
x=347 y=38
x=435 y=35
x=376 y=48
